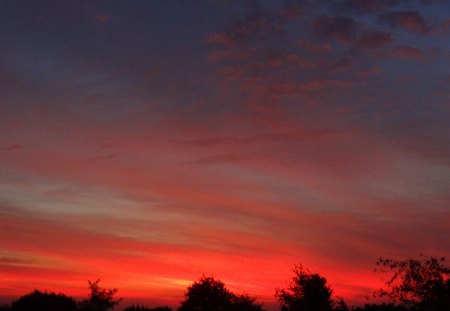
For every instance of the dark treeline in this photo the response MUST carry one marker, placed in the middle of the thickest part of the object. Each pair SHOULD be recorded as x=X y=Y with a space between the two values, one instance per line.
x=413 y=285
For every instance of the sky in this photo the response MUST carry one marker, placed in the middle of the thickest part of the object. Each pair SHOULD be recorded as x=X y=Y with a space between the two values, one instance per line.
x=148 y=143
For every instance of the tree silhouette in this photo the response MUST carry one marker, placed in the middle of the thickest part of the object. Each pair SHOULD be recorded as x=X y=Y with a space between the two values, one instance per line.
x=424 y=284
x=100 y=299
x=209 y=294
x=381 y=307
x=307 y=292
x=340 y=305
x=142 y=308
x=136 y=308
x=44 y=301
x=245 y=303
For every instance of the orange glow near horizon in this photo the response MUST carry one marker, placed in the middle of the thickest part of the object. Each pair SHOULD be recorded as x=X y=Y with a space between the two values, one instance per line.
x=161 y=284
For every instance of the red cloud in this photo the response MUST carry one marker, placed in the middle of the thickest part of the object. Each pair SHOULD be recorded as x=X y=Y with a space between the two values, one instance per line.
x=369 y=72
x=340 y=28
x=221 y=39
x=247 y=29
x=101 y=18
x=367 y=6
x=444 y=26
x=407 y=52
x=374 y=39
x=409 y=20
x=315 y=48
x=13 y=147
x=310 y=86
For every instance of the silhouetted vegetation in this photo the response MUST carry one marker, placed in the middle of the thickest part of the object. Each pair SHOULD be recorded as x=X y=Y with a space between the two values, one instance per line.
x=307 y=292
x=381 y=307
x=142 y=308
x=417 y=284
x=246 y=303
x=209 y=294
x=340 y=304
x=413 y=285
x=100 y=299
x=44 y=301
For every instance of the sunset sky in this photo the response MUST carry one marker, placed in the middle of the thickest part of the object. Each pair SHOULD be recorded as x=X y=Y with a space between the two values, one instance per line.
x=147 y=143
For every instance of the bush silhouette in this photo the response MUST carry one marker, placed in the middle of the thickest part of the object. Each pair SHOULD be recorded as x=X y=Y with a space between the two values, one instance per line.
x=209 y=294
x=142 y=308
x=245 y=303
x=307 y=292
x=381 y=307
x=43 y=301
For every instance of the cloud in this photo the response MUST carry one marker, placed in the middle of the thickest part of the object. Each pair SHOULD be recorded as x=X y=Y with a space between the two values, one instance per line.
x=221 y=39
x=256 y=24
x=409 y=20
x=446 y=23
x=10 y=79
x=13 y=147
x=373 y=40
x=312 y=47
x=292 y=9
x=14 y=261
x=366 y=6
x=370 y=72
x=311 y=86
x=348 y=31
x=298 y=134
x=444 y=26
x=101 y=18
x=370 y=6
x=340 y=28
x=407 y=52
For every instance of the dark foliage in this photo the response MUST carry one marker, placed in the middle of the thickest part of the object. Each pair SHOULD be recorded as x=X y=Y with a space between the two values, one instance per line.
x=137 y=308
x=100 y=299
x=307 y=292
x=43 y=301
x=420 y=284
x=142 y=308
x=245 y=303
x=340 y=305
x=382 y=307
x=209 y=294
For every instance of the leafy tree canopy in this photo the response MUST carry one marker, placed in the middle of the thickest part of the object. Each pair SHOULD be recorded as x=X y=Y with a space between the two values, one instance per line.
x=209 y=294
x=421 y=283
x=245 y=303
x=142 y=308
x=100 y=299
x=306 y=292
x=381 y=307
